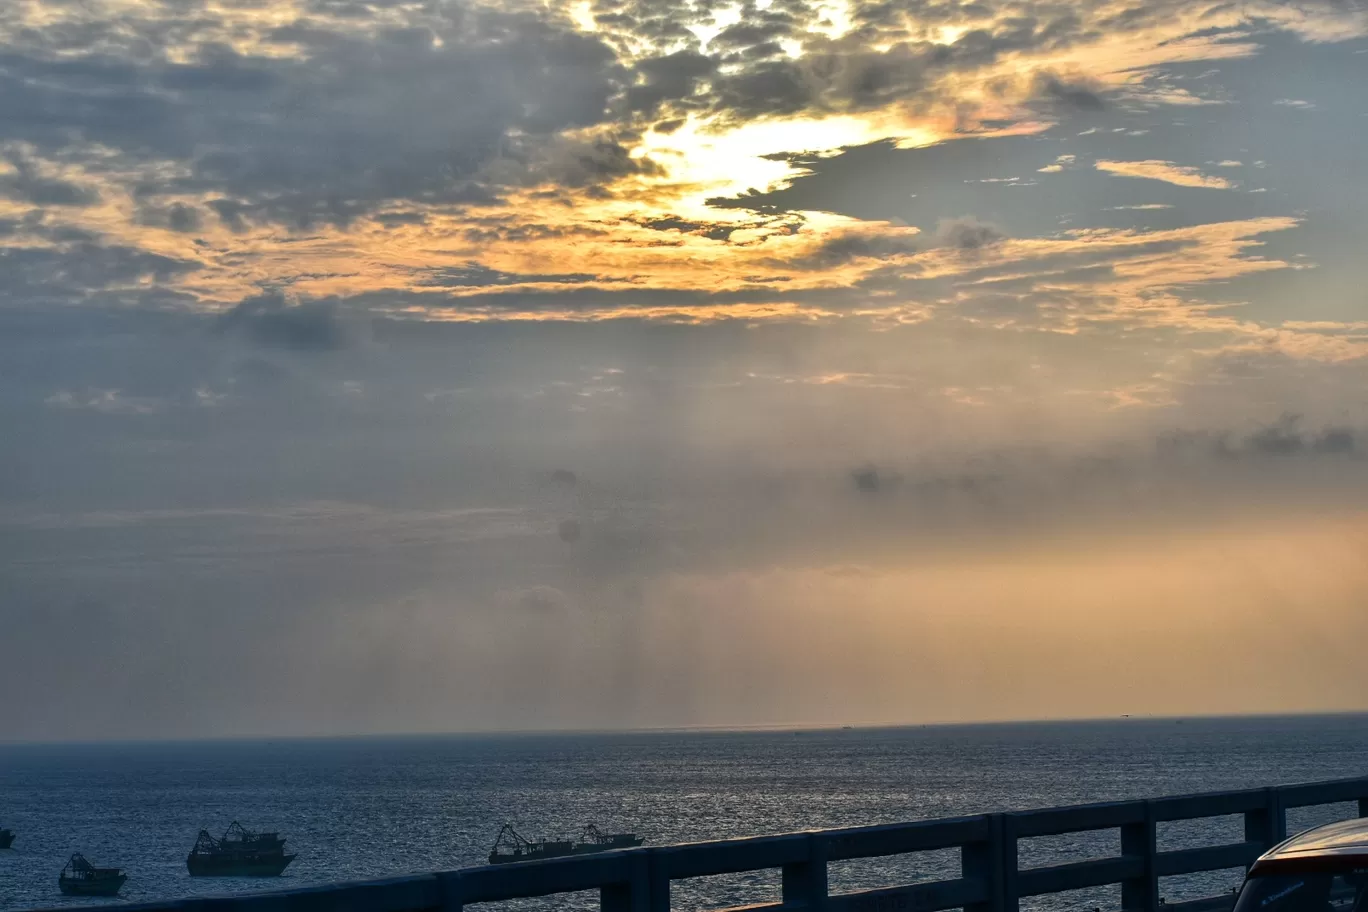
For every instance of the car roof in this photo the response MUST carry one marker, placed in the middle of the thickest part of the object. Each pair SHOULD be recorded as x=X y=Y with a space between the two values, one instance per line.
x=1342 y=844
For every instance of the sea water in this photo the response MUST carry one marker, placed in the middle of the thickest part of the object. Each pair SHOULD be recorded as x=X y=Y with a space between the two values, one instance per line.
x=372 y=807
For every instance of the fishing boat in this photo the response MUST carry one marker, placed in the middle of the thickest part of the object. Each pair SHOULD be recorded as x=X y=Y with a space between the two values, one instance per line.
x=511 y=846
x=81 y=878
x=238 y=853
x=6 y=838
x=591 y=840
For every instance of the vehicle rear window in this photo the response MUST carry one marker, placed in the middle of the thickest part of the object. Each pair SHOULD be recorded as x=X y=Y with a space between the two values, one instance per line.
x=1318 y=892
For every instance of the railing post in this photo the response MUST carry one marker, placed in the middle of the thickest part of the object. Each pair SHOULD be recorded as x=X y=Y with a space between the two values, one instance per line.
x=633 y=894
x=805 y=883
x=450 y=890
x=1268 y=824
x=1139 y=840
x=1011 y=900
x=983 y=861
x=658 y=882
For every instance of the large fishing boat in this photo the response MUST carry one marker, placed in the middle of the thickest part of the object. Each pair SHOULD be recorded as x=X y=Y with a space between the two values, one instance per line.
x=81 y=878
x=512 y=846
x=238 y=853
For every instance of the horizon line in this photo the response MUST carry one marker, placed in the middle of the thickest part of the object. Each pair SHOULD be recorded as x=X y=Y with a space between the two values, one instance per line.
x=758 y=728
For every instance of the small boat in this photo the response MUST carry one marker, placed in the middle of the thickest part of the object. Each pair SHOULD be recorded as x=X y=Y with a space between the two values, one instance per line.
x=511 y=846
x=81 y=878
x=238 y=853
x=6 y=838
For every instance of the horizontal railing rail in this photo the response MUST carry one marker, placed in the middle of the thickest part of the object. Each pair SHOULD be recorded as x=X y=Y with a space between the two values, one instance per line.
x=991 y=876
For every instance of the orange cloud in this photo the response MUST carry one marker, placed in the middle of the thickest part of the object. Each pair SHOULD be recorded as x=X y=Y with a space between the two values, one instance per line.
x=1182 y=175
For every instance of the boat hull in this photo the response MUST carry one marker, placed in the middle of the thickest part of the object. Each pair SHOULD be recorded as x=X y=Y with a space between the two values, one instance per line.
x=104 y=886
x=260 y=866
x=540 y=855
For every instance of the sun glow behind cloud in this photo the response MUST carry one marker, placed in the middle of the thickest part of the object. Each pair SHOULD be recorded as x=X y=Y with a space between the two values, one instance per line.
x=706 y=164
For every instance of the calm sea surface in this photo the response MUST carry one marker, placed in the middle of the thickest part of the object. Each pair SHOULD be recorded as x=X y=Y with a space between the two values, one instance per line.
x=372 y=807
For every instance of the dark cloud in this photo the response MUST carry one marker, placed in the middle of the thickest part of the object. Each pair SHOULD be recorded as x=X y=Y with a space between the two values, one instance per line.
x=268 y=319
x=967 y=234
x=78 y=268
x=1078 y=93
x=27 y=184
x=231 y=213
x=396 y=219
x=711 y=230
x=1337 y=440
x=845 y=248
x=473 y=275
x=846 y=74
x=177 y=217
x=673 y=77
x=583 y=163
x=362 y=117
x=760 y=28
x=867 y=480
x=1282 y=439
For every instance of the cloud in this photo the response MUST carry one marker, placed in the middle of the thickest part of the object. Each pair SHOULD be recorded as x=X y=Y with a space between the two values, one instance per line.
x=540 y=599
x=1080 y=93
x=473 y=275
x=1180 y=175
x=179 y=217
x=72 y=266
x=382 y=124
x=1282 y=439
x=967 y=234
x=869 y=480
x=1060 y=163
x=841 y=248
x=107 y=401
x=672 y=77
x=26 y=182
x=269 y=319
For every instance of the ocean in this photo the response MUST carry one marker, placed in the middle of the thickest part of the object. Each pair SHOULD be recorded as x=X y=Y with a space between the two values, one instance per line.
x=370 y=807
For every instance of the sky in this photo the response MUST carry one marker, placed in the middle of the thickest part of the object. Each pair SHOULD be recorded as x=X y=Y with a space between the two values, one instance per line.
x=432 y=365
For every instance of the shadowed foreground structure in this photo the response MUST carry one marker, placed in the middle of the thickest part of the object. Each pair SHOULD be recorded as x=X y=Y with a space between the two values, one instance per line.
x=992 y=879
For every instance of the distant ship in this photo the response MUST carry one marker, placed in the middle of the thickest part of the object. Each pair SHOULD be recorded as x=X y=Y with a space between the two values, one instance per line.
x=511 y=846
x=240 y=853
x=6 y=838
x=81 y=878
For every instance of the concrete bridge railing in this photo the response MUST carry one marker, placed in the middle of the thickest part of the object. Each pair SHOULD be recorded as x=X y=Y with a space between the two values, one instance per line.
x=991 y=877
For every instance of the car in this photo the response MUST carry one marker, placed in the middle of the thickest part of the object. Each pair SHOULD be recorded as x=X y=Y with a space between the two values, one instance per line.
x=1325 y=868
